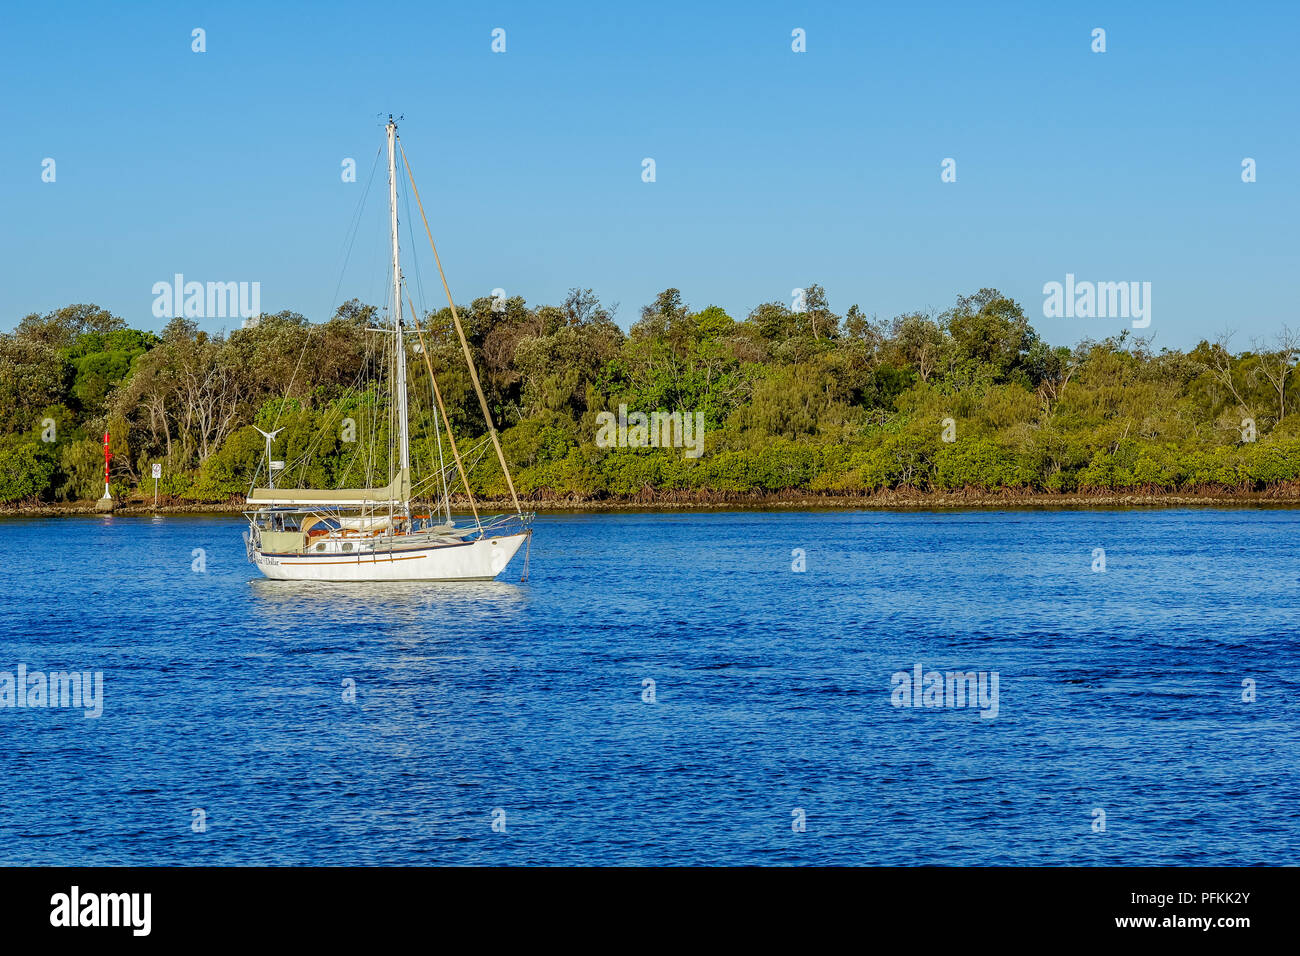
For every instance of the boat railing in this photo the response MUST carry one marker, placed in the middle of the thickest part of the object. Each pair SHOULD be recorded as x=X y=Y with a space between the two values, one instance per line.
x=502 y=525
x=508 y=524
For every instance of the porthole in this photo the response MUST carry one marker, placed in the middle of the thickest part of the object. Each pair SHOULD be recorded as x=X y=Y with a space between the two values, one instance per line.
x=347 y=546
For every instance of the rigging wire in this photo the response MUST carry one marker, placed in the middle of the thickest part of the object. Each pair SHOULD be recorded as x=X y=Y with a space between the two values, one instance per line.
x=349 y=242
x=348 y=255
x=355 y=228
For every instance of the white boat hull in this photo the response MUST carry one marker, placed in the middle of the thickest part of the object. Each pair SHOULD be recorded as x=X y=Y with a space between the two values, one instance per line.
x=480 y=560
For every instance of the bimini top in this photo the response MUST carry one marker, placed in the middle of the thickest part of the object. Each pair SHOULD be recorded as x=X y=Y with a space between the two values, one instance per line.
x=398 y=490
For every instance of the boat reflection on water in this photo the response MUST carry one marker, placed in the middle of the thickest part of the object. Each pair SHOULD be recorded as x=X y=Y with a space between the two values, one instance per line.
x=418 y=603
x=405 y=652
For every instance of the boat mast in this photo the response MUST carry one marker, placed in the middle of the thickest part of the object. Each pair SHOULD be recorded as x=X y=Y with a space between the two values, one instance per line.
x=399 y=341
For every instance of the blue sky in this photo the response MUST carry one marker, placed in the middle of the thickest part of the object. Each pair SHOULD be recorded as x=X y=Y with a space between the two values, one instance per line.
x=773 y=169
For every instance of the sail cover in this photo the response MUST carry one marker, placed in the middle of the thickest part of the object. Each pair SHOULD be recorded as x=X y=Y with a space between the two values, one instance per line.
x=398 y=490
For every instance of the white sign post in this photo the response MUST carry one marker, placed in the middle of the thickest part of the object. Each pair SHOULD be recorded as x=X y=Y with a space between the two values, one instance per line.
x=157 y=473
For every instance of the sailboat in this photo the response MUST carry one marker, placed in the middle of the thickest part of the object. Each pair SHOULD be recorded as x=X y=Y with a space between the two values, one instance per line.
x=374 y=534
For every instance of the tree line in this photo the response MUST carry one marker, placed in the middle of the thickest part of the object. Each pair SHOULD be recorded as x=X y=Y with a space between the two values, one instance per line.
x=810 y=400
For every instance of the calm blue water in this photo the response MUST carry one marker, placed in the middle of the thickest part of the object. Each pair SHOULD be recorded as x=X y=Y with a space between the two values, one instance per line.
x=1119 y=691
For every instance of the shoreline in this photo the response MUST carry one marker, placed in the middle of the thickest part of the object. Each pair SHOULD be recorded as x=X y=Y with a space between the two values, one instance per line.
x=895 y=500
